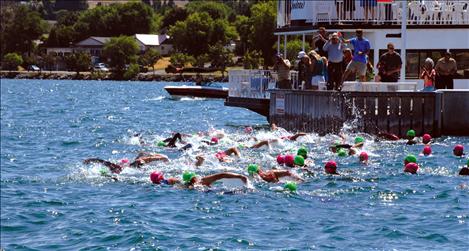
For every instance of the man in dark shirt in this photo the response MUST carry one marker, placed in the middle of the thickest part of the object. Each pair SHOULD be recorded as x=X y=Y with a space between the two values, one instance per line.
x=321 y=40
x=389 y=65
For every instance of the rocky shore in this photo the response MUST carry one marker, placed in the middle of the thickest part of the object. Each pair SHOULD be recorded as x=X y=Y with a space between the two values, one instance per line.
x=107 y=76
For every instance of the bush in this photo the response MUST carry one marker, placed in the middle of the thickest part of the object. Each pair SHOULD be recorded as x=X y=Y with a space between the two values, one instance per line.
x=131 y=72
x=121 y=51
x=181 y=59
x=11 y=61
x=252 y=60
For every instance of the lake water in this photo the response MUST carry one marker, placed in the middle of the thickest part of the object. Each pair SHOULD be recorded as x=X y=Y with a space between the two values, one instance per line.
x=51 y=201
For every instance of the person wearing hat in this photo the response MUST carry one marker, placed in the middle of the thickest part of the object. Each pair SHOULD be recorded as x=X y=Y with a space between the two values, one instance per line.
x=361 y=48
x=445 y=68
x=334 y=47
x=282 y=66
x=304 y=70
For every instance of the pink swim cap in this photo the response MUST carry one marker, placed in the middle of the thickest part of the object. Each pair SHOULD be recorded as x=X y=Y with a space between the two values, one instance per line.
x=427 y=150
x=248 y=129
x=458 y=150
x=156 y=177
x=426 y=138
x=363 y=156
x=411 y=168
x=331 y=167
x=281 y=159
x=290 y=160
x=214 y=140
x=124 y=161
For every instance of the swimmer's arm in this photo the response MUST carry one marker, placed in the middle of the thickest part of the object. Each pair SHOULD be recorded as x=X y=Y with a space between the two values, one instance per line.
x=294 y=137
x=286 y=173
x=347 y=146
x=260 y=144
x=151 y=158
x=113 y=167
x=208 y=180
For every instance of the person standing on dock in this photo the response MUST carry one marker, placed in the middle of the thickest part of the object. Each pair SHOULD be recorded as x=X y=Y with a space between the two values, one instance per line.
x=321 y=40
x=390 y=64
x=304 y=70
x=445 y=69
x=282 y=66
x=334 y=48
x=361 y=48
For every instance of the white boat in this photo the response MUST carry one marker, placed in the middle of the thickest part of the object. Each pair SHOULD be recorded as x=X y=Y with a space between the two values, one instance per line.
x=197 y=91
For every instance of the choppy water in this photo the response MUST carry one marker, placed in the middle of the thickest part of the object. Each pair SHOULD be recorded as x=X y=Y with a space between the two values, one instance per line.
x=51 y=201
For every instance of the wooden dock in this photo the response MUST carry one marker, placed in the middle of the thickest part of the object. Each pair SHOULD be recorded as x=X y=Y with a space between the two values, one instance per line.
x=436 y=113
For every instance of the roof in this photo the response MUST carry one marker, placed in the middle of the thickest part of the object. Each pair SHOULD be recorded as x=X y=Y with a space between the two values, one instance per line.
x=151 y=39
x=93 y=41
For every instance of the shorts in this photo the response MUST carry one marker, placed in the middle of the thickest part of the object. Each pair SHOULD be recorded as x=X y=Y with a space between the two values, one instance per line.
x=357 y=67
x=428 y=89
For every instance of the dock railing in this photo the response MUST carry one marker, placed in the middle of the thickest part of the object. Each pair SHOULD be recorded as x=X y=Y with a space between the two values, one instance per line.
x=255 y=83
x=379 y=86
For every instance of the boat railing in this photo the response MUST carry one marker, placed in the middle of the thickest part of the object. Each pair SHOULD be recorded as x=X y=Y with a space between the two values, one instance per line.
x=354 y=86
x=382 y=12
x=255 y=83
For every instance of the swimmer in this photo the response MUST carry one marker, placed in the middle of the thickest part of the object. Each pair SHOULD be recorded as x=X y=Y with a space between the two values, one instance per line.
x=271 y=176
x=458 y=150
x=331 y=168
x=411 y=168
x=388 y=136
x=426 y=139
x=171 y=142
x=222 y=156
x=199 y=160
x=465 y=170
x=190 y=179
x=294 y=137
x=363 y=157
x=141 y=159
x=410 y=137
x=213 y=141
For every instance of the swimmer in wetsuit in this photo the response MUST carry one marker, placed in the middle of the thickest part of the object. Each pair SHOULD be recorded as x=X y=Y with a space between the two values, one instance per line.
x=388 y=136
x=190 y=179
x=141 y=159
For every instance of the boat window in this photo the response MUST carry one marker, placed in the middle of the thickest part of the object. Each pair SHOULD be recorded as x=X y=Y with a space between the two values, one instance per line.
x=462 y=60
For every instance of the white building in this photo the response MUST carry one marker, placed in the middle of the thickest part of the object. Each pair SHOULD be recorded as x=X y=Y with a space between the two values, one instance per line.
x=157 y=42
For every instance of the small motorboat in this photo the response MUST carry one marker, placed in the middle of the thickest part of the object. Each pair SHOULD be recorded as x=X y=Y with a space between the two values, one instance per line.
x=197 y=91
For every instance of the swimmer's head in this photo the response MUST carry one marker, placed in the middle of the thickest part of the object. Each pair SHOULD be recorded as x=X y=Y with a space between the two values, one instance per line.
x=303 y=152
x=426 y=138
x=427 y=150
x=104 y=171
x=410 y=134
x=161 y=144
x=188 y=177
x=359 y=140
x=156 y=177
x=124 y=161
x=467 y=163
x=248 y=129
x=410 y=159
x=411 y=168
x=252 y=169
x=290 y=186
x=290 y=160
x=299 y=160
x=331 y=167
x=281 y=159
x=214 y=140
x=219 y=134
x=342 y=152
x=458 y=150
x=363 y=156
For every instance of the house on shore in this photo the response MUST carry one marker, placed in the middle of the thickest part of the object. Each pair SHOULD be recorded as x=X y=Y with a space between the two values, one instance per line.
x=160 y=43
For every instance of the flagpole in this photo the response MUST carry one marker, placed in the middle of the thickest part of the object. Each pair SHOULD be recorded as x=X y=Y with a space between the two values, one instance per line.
x=404 y=39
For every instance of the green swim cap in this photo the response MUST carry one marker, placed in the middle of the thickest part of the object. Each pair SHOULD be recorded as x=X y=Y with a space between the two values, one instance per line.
x=187 y=176
x=253 y=168
x=303 y=152
x=410 y=133
x=299 y=160
x=104 y=171
x=161 y=144
x=290 y=186
x=342 y=152
x=410 y=159
x=467 y=163
x=359 y=140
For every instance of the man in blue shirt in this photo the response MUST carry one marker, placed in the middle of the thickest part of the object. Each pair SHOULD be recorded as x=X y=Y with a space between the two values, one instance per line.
x=361 y=48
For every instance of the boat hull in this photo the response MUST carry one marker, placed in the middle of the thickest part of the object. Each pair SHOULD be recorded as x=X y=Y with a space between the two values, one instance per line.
x=197 y=91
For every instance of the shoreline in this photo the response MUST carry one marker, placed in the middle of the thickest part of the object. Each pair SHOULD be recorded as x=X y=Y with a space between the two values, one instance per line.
x=190 y=77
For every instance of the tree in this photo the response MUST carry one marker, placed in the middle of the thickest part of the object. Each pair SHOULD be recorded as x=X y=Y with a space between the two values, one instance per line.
x=78 y=62
x=174 y=15
x=220 y=57
x=11 y=61
x=294 y=46
x=252 y=60
x=149 y=58
x=198 y=32
x=243 y=27
x=121 y=51
x=20 y=26
x=263 y=20
x=181 y=59
x=49 y=61
x=214 y=9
